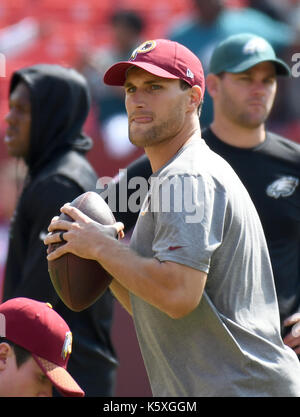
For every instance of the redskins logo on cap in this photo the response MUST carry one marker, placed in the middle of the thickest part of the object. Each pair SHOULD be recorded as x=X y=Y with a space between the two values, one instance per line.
x=142 y=49
x=67 y=346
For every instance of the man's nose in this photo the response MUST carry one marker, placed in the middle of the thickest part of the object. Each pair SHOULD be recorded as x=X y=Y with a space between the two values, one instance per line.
x=138 y=99
x=9 y=117
x=259 y=88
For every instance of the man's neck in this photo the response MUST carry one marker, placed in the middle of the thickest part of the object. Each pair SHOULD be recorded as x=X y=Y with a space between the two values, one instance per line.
x=161 y=153
x=239 y=136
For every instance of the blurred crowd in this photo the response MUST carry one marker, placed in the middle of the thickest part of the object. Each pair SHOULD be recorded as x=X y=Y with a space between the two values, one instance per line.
x=90 y=35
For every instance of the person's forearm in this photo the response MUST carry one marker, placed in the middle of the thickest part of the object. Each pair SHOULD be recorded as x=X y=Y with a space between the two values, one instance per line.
x=132 y=272
x=172 y=288
x=121 y=294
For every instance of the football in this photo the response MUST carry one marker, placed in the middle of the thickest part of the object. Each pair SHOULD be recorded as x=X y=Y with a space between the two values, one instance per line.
x=80 y=282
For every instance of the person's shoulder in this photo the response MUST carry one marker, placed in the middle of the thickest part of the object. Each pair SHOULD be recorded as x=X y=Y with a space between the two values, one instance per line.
x=73 y=166
x=276 y=139
x=282 y=149
x=48 y=195
x=52 y=186
x=190 y=160
x=70 y=169
x=214 y=143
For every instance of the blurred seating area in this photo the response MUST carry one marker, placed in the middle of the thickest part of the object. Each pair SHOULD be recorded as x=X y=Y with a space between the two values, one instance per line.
x=67 y=31
x=63 y=31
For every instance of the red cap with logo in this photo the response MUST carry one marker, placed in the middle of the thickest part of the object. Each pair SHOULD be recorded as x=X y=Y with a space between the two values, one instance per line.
x=163 y=58
x=36 y=327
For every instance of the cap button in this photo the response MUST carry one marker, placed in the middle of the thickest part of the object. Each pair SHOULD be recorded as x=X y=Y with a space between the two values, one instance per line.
x=49 y=305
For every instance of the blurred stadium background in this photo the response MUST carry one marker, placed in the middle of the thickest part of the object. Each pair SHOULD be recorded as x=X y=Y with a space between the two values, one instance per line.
x=63 y=32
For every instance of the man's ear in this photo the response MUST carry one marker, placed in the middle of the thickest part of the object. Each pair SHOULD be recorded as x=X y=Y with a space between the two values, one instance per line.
x=5 y=352
x=195 y=96
x=212 y=84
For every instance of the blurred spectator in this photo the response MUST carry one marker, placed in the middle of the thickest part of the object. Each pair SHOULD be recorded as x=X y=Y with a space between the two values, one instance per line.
x=212 y=22
x=12 y=175
x=48 y=106
x=35 y=347
x=127 y=27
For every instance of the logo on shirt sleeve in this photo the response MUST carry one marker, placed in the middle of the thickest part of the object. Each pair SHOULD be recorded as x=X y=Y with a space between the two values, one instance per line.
x=283 y=187
x=174 y=247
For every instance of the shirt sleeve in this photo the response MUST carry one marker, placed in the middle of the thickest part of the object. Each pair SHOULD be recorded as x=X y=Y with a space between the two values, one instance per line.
x=189 y=220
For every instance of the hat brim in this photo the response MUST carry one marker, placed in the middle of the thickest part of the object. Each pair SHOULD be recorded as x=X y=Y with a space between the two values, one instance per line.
x=60 y=378
x=281 y=67
x=116 y=75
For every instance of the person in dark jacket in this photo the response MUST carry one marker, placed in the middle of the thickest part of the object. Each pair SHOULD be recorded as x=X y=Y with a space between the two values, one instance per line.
x=48 y=105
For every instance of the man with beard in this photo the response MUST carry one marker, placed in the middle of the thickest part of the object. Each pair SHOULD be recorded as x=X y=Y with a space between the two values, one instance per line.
x=48 y=106
x=243 y=83
x=197 y=277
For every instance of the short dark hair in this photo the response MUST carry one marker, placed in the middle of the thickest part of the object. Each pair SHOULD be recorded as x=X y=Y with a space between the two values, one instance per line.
x=22 y=355
x=184 y=86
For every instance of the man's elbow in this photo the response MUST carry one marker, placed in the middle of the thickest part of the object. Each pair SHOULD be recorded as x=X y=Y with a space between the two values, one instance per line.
x=181 y=308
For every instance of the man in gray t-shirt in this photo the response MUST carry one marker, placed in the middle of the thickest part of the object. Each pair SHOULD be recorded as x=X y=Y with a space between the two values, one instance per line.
x=197 y=277
x=228 y=344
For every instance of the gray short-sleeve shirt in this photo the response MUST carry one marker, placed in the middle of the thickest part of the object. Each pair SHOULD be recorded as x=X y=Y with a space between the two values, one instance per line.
x=199 y=214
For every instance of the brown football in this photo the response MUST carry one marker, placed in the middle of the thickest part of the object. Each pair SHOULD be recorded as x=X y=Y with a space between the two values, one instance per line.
x=80 y=282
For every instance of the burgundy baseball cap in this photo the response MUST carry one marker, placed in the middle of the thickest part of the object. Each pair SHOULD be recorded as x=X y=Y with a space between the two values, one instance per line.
x=36 y=327
x=161 y=57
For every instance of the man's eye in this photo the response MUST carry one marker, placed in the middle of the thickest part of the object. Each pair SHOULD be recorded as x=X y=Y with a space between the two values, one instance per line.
x=269 y=80
x=155 y=87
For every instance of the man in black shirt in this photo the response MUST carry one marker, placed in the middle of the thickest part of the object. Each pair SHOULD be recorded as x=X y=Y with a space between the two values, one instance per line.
x=242 y=83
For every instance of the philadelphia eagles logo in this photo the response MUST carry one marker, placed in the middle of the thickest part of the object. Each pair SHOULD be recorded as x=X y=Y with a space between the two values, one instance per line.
x=255 y=45
x=283 y=187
